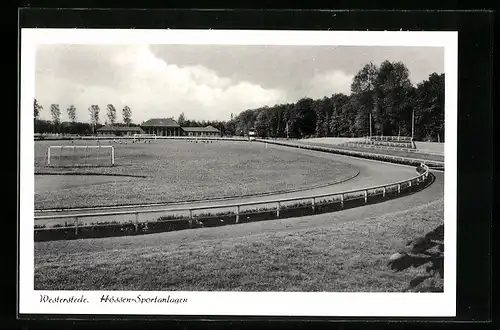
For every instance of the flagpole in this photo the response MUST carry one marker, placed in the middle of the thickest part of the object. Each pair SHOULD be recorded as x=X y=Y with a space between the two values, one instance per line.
x=370 y=125
x=412 y=123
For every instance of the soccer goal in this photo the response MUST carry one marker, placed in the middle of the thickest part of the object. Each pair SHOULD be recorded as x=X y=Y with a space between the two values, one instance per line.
x=69 y=156
x=138 y=137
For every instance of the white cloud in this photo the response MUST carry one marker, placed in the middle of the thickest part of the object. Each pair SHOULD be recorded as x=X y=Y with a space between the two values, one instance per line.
x=132 y=75
x=328 y=83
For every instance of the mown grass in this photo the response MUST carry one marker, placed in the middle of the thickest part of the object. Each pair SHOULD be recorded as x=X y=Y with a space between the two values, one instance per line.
x=350 y=256
x=179 y=171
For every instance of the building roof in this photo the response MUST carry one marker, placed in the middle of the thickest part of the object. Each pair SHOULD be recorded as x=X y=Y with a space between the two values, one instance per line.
x=109 y=128
x=200 y=129
x=160 y=122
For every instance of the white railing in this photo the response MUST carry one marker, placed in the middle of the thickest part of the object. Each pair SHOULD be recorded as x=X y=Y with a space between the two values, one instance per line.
x=236 y=208
x=389 y=138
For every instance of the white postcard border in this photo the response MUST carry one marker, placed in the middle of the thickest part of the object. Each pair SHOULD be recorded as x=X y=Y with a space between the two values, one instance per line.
x=237 y=303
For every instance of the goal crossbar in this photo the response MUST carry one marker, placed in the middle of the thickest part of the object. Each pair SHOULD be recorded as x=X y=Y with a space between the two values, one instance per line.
x=112 y=148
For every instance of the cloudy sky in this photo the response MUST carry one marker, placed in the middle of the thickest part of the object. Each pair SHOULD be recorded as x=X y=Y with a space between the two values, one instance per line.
x=206 y=82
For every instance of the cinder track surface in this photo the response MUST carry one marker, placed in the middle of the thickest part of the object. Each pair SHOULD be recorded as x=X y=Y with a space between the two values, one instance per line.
x=371 y=173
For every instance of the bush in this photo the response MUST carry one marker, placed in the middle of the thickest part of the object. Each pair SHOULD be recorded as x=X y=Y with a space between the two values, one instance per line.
x=423 y=251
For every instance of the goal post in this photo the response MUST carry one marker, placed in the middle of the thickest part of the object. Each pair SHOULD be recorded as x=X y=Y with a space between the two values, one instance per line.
x=144 y=137
x=69 y=156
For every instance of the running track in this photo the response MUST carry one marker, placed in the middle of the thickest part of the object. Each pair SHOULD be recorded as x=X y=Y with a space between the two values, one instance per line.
x=371 y=173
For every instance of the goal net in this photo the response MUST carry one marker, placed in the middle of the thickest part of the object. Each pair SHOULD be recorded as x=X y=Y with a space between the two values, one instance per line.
x=69 y=156
x=138 y=137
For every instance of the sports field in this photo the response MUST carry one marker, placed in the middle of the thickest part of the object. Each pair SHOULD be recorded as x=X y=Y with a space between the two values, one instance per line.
x=172 y=171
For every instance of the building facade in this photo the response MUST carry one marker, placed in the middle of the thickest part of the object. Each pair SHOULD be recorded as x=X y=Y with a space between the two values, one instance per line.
x=169 y=127
x=162 y=127
x=201 y=131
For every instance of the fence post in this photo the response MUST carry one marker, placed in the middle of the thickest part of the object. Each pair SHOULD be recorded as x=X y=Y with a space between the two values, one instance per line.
x=366 y=196
x=190 y=218
x=383 y=192
x=76 y=225
x=409 y=185
x=399 y=188
x=314 y=204
x=48 y=156
x=341 y=200
x=136 y=224
x=237 y=214
x=278 y=205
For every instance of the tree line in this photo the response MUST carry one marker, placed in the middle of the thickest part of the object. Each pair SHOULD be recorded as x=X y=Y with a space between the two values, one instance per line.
x=383 y=101
x=381 y=95
x=75 y=127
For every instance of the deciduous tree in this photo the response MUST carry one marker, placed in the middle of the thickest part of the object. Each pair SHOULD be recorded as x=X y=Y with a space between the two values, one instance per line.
x=127 y=115
x=72 y=113
x=182 y=119
x=363 y=97
x=37 y=108
x=111 y=113
x=94 y=116
x=55 y=112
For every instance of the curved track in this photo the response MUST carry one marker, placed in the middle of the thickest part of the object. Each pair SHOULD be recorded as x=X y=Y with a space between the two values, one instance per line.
x=372 y=173
x=432 y=194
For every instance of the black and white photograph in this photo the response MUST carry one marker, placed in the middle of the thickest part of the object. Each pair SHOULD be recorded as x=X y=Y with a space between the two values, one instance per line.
x=206 y=172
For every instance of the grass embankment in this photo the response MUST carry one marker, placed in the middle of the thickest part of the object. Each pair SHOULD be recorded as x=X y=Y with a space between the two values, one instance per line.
x=397 y=153
x=349 y=256
x=180 y=171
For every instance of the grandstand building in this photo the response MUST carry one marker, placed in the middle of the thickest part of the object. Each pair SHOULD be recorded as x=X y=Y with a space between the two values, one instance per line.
x=109 y=130
x=169 y=127
x=162 y=127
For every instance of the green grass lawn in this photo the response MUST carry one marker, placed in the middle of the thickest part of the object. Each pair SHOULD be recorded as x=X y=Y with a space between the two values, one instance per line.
x=342 y=256
x=177 y=171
